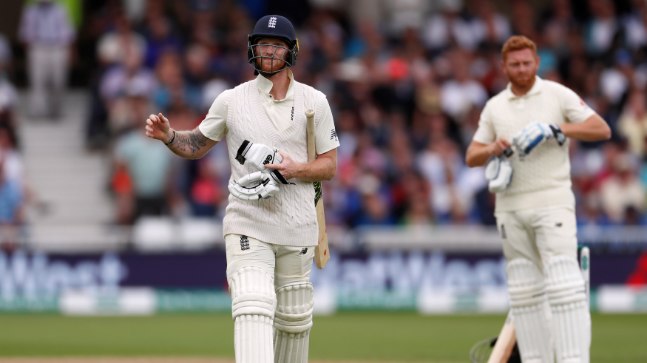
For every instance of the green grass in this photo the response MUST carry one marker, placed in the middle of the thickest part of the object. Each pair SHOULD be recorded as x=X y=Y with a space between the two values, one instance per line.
x=368 y=336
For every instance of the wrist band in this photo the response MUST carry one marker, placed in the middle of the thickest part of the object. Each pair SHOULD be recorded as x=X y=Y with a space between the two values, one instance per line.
x=171 y=140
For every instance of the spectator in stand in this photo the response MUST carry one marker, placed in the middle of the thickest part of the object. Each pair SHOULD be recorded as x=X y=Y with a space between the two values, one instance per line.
x=622 y=189
x=206 y=193
x=116 y=85
x=199 y=76
x=412 y=195
x=47 y=33
x=590 y=213
x=122 y=39
x=491 y=25
x=602 y=27
x=160 y=39
x=117 y=47
x=461 y=91
x=147 y=164
x=634 y=25
x=374 y=210
x=11 y=209
x=14 y=192
x=447 y=27
x=632 y=123
x=8 y=95
x=172 y=89
x=10 y=155
x=523 y=18
x=442 y=164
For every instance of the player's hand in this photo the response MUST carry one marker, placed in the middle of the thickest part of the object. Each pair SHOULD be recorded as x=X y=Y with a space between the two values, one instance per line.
x=499 y=147
x=287 y=167
x=158 y=127
x=536 y=134
x=259 y=156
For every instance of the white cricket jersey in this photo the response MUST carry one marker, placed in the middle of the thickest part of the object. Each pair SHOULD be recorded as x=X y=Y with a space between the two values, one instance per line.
x=543 y=178
x=248 y=112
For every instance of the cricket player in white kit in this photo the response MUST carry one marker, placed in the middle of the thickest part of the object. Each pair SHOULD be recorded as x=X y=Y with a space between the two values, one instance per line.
x=270 y=224
x=535 y=213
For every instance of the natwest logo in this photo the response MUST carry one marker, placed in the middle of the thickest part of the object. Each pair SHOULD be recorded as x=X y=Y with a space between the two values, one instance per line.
x=35 y=276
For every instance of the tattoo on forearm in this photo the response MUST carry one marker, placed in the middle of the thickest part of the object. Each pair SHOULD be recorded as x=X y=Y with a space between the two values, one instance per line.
x=188 y=143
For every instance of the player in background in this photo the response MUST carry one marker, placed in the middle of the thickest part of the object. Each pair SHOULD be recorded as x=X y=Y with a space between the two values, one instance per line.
x=270 y=226
x=535 y=212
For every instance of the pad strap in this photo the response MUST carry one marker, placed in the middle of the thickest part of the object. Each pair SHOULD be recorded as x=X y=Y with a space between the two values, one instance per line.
x=242 y=150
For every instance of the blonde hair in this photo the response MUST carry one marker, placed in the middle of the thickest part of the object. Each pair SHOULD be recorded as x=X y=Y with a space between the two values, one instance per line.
x=517 y=42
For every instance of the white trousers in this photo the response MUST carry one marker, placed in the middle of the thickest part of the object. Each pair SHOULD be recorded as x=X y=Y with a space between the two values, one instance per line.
x=289 y=265
x=538 y=234
x=48 y=67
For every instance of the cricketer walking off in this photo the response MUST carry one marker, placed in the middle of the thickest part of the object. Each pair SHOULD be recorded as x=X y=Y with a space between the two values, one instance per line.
x=270 y=224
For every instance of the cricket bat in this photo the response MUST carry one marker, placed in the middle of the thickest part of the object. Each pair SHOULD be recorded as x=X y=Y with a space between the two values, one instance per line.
x=504 y=343
x=322 y=252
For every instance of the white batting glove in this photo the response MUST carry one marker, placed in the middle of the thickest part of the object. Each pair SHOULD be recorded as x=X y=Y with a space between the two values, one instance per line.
x=536 y=134
x=254 y=186
x=498 y=172
x=257 y=155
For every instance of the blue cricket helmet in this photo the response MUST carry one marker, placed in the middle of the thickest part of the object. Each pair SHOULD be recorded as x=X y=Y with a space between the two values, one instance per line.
x=274 y=26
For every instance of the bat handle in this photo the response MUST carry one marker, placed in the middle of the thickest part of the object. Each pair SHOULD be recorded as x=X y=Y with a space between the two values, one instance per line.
x=310 y=113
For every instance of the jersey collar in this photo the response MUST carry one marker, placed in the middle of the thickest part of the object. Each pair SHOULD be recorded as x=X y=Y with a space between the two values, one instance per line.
x=536 y=88
x=265 y=86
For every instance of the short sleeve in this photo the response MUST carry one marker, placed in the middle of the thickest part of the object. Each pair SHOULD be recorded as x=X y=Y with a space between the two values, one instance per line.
x=325 y=134
x=574 y=108
x=485 y=132
x=214 y=125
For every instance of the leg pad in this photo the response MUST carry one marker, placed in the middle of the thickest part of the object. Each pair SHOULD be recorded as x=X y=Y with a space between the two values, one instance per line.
x=253 y=306
x=530 y=311
x=292 y=323
x=571 y=318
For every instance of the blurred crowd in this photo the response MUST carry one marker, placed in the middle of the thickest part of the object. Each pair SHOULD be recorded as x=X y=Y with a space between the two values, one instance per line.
x=406 y=80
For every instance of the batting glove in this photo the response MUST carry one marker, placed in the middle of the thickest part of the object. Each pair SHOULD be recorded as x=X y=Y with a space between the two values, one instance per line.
x=254 y=186
x=498 y=172
x=536 y=134
x=258 y=155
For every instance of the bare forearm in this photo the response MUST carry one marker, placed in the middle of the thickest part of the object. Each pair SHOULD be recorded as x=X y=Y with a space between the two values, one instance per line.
x=317 y=170
x=478 y=154
x=593 y=129
x=189 y=144
x=324 y=167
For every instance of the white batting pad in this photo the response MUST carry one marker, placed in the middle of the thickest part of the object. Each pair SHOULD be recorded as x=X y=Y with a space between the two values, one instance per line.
x=571 y=318
x=253 y=305
x=530 y=311
x=253 y=339
x=292 y=323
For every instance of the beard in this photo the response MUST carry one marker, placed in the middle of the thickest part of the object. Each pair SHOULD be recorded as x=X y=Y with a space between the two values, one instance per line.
x=269 y=65
x=522 y=80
